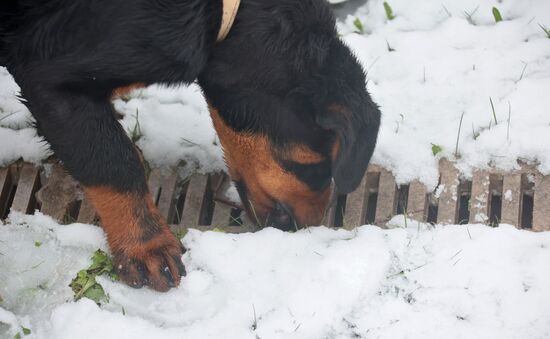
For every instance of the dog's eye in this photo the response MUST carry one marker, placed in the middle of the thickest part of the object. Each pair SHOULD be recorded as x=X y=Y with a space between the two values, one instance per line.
x=317 y=176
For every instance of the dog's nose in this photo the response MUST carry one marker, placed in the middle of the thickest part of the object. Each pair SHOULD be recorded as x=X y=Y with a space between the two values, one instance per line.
x=281 y=217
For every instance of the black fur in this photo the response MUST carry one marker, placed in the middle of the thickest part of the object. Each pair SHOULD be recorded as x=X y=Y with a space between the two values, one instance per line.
x=316 y=176
x=277 y=73
x=69 y=55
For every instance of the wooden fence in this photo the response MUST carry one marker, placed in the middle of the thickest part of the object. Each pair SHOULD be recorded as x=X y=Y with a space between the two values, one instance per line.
x=520 y=198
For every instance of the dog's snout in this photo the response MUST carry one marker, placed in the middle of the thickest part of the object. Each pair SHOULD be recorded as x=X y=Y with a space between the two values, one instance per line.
x=282 y=217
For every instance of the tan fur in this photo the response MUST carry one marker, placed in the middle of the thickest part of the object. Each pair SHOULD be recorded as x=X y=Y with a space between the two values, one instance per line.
x=249 y=158
x=337 y=108
x=122 y=91
x=304 y=155
x=335 y=150
x=118 y=213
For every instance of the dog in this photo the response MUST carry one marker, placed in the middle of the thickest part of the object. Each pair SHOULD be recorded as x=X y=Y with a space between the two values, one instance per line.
x=287 y=98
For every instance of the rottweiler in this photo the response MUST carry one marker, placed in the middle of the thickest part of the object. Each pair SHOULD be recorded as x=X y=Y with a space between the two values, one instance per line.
x=287 y=98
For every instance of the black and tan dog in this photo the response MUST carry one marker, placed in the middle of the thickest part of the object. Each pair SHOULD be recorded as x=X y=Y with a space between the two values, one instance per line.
x=287 y=99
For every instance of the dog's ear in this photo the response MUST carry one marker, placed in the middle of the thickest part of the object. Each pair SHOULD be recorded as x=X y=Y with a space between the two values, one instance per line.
x=350 y=112
x=356 y=133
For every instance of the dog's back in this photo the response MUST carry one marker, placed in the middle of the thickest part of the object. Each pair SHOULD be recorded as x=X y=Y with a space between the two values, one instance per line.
x=12 y=15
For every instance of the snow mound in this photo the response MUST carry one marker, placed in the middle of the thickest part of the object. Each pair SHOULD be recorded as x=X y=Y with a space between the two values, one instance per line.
x=439 y=60
x=420 y=281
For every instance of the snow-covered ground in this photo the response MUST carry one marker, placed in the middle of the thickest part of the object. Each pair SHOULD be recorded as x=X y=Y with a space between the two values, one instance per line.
x=417 y=282
x=450 y=58
x=436 y=61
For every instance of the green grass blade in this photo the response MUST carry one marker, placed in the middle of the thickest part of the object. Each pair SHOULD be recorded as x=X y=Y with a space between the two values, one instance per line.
x=359 y=25
x=389 y=11
x=545 y=30
x=494 y=113
x=496 y=15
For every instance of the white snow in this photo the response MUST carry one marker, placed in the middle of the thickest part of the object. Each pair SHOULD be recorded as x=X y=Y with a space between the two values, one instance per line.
x=508 y=195
x=175 y=125
x=469 y=281
x=444 y=66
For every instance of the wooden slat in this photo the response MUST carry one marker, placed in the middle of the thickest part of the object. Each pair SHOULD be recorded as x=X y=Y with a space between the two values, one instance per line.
x=166 y=202
x=87 y=213
x=479 y=201
x=58 y=191
x=226 y=229
x=541 y=209
x=23 y=200
x=496 y=182
x=155 y=183
x=330 y=215
x=447 y=205
x=356 y=205
x=222 y=215
x=194 y=201
x=248 y=224
x=5 y=188
x=162 y=184
x=373 y=181
x=416 y=202
x=385 y=207
x=372 y=168
x=527 y=193
x=220 y=184
x=4 y=180
x=55 y=209
x=511 y=188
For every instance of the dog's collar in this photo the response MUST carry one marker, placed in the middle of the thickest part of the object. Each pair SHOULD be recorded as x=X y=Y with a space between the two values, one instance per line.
x=230 y=8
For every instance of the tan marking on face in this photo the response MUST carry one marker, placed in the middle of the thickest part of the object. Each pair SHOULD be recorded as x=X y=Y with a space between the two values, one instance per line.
x=337 y=108
x=335 y=149
x=249 y=159
x=123 y=91
x=304 y=155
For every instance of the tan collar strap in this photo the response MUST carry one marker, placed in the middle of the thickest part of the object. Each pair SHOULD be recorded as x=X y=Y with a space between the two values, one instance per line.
x=230 y=8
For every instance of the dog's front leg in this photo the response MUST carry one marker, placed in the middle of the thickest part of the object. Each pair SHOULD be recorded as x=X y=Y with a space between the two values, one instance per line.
x=95 y=150
x=145 y=251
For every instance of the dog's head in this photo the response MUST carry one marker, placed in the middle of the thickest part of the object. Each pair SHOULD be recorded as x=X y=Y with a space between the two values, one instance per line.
x=292 y=120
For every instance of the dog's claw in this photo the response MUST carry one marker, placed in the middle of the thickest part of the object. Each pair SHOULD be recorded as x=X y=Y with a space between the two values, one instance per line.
x=179 y=265
x=165 y=271
x=159 y=268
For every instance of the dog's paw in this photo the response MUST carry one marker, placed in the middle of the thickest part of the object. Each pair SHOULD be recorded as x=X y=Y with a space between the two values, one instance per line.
x=155 y=263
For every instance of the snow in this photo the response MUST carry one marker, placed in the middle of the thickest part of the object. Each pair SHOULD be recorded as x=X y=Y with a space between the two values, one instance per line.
x=410 y=281
x=508 y=195
x=176 y=126
x=443 y=67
